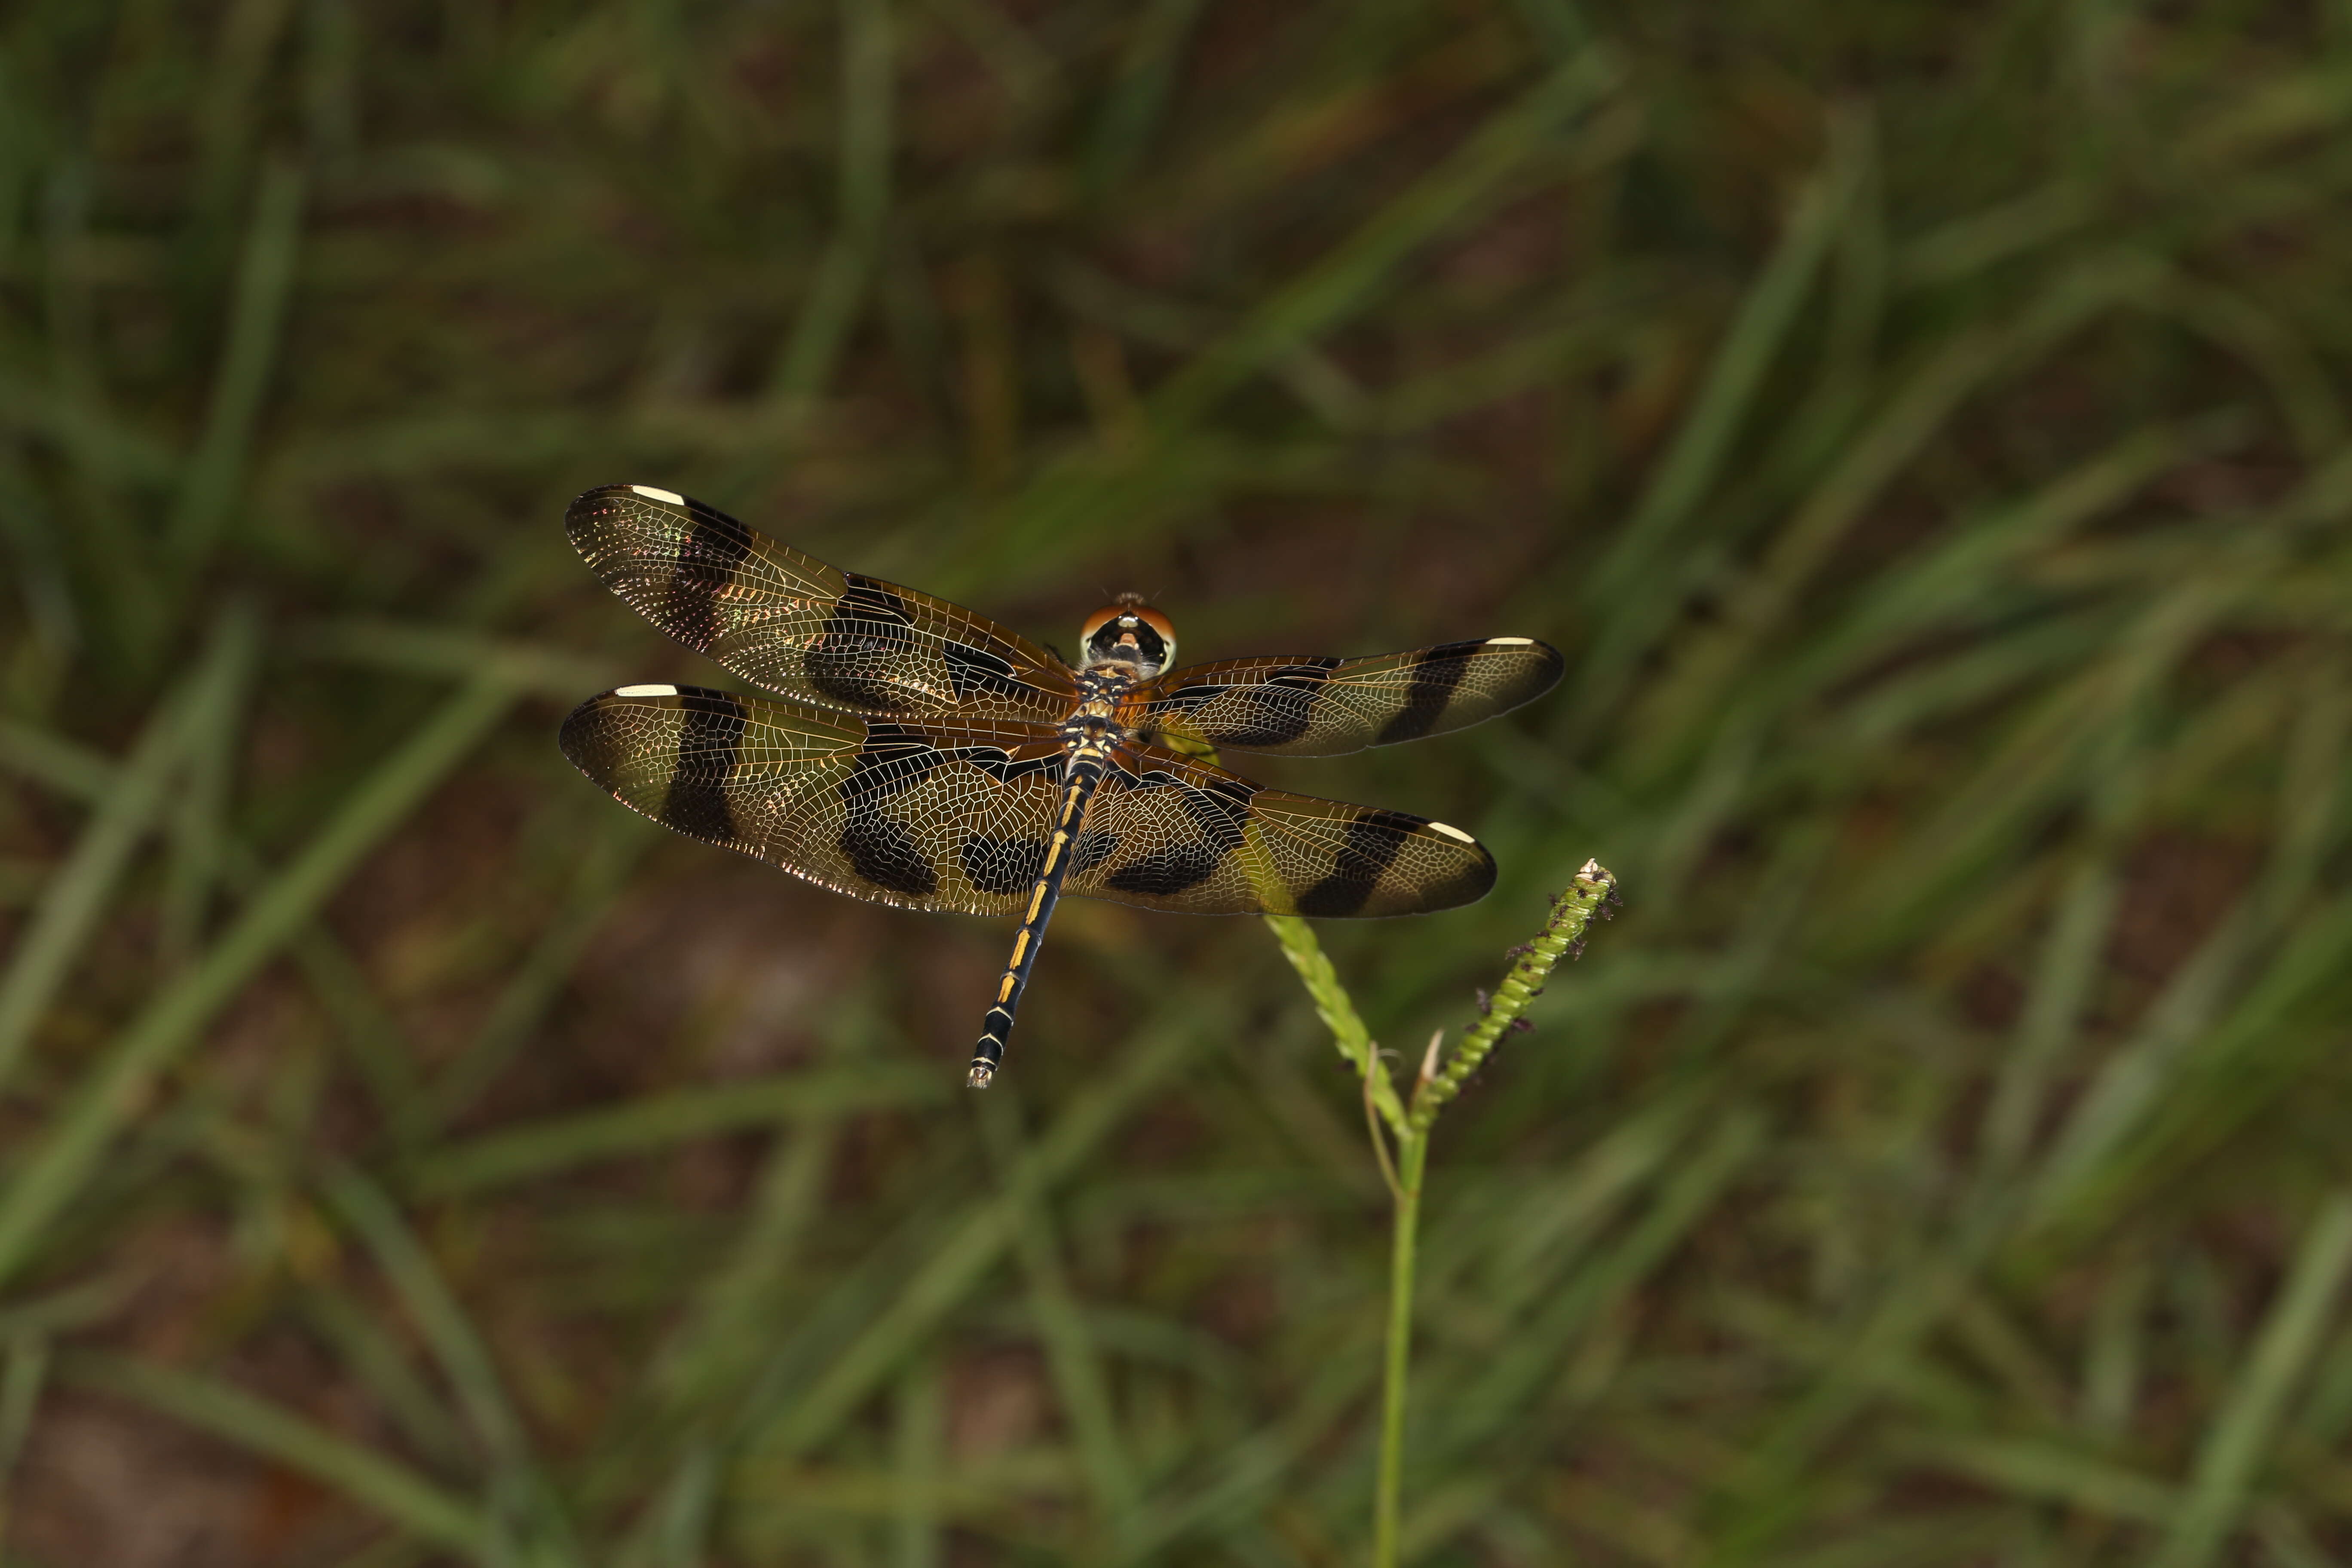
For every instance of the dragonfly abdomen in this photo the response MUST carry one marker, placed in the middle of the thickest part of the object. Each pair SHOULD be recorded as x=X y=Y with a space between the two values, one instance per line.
x=1088 y=758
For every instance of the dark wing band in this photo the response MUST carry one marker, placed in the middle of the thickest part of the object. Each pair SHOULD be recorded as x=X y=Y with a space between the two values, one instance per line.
x=1168 y=833
x=794 y=625
x=1322 y=707
x=932 y=815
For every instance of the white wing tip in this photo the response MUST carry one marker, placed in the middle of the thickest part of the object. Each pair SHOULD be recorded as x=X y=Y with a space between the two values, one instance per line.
x=1510 y=642
x=1451 y=831
x=645 y=691
x=652 y=494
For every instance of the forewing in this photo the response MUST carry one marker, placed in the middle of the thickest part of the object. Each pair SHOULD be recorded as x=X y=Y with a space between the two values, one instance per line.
x=1323 y=707
x=933 y=814
x=794 y=625
x=1171 y=833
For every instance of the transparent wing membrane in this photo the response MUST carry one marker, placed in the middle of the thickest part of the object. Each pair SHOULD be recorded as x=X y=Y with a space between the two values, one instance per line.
x=1324 y=707
x=789 y=623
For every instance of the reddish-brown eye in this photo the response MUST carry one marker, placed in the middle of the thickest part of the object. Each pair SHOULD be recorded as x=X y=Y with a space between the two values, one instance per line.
x=1156 y=622
x=1099 y=620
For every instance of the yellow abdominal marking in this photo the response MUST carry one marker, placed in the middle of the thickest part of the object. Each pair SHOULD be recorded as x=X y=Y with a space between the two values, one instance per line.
x=1054 y=851
x=1004 y=991
x=1020 y=946
x=1035 y=900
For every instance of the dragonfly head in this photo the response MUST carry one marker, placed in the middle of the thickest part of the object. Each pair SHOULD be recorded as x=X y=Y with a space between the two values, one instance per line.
x=1128 y=631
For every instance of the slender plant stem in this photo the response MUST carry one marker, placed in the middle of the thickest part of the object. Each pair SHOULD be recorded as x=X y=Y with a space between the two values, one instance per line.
x=1442 y=1076
x=1388 y=1499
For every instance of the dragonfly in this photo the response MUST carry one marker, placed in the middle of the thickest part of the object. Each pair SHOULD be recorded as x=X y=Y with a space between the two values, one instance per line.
x=918 y=755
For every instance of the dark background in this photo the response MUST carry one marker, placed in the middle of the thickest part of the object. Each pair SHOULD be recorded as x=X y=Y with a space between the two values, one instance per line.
x=1922 y=425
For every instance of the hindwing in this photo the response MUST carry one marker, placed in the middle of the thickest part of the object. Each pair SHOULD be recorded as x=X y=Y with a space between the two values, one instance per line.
x=1169 y=833
x=932 y=813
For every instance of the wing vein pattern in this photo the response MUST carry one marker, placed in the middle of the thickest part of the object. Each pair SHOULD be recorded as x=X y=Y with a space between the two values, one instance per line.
x=1325 y=707
x=941 y=815
x=788 y=622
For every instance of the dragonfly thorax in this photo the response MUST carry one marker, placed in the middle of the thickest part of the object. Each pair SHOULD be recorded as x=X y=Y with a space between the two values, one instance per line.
x=1128 y=632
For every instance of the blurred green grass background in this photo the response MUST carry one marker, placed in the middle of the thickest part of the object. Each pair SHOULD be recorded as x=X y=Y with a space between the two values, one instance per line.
x=1922 y=426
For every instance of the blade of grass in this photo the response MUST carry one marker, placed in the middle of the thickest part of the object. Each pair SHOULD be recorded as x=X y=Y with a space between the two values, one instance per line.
x=199 y=820
x=1351 y=275
x=1076 y=1359
x=981 y=1240
x=1506 y=1249
x=114 y=555
x=521 y=1153
x=1559 y=26
x=92 y=436
x=1681 y=703
x=366 y=1477
x=41 y=581
x=719 y=1339
x=2114 y=1362
x=1968 y=581
x=2134 y=1079
x=2046 y=759
x=919 y=1430
x=1342 y=284
x=130 y=798
x=23 y=1376
x=229 y=114
x=2242 y=1061
x=614 y=847
x=54 y=1170
x=694 y=1384
x=378 y=1352
x=521 y=1499
x=843 y=276
x=1137 y=100
x=2064 y=983
x=2274 y=1372
x=2045 y=1472
x=265 y=283
x=2063 y=986
x=1249 y=1475
x=1627 y=592
x=372 y=1039
x=438 y=1315
x=1022 y=68
x=1513 y=1376
x=71 y=769
x=678 y=1525
x=456 y=653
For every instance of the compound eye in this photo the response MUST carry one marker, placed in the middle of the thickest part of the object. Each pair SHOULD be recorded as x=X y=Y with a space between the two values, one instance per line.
x=1098 y=620
x=1158 y=622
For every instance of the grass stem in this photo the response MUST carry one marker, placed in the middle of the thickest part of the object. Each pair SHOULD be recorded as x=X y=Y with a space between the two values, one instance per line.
x=1441 y=1078
x=1397 y=1357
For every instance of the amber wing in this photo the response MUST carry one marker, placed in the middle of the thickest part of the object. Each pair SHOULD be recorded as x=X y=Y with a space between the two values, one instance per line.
x=930 y=814
x=938 y=815
x=1169 y=833
x=788 y=622
x=1323 y=707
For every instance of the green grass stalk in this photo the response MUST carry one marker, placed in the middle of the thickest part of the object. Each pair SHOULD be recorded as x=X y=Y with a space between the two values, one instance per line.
x=1443 y=1074
x=1396 y=1363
